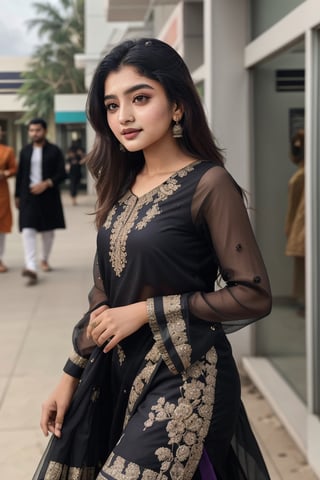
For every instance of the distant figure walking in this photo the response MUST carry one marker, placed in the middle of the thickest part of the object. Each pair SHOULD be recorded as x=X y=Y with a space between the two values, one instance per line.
x=8 y=168
x=41 y=170
x=75 y=159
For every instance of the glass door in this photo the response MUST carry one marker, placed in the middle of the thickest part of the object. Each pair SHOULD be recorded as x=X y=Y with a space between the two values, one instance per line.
x=279 y=128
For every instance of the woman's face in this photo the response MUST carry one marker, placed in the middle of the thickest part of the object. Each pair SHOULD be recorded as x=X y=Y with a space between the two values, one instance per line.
x=138 y=111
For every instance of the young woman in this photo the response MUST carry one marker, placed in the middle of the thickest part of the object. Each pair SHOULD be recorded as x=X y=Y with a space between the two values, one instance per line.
x=159 y=391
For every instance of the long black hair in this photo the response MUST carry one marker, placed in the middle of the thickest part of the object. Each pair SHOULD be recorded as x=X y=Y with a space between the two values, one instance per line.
x=113 y=170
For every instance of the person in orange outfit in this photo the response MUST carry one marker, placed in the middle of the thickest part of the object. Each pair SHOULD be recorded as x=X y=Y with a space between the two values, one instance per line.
x=8 y=168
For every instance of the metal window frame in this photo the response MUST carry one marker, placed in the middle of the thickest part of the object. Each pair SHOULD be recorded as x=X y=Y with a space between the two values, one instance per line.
x=312 y=145
x=304 y=22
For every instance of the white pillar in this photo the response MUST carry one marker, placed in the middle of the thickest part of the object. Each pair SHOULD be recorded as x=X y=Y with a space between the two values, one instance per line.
x=227 y=102
x=227 y=82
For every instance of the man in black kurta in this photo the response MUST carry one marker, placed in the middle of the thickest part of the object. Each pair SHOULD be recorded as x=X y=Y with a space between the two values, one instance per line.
x=41 y=170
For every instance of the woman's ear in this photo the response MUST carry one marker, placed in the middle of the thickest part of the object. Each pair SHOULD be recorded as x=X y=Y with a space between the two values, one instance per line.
x=177 y=129
x=177 y=112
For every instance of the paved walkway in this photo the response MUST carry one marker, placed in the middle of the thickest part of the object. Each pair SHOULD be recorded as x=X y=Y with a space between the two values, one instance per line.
x=35 y=339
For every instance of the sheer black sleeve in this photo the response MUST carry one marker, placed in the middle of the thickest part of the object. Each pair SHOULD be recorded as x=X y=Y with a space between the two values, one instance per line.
x=246 y=296
x=184 y=326
x=82 y=345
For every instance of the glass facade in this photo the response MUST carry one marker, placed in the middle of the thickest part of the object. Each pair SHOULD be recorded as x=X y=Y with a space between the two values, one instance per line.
x=279 y=117
x=313 y=199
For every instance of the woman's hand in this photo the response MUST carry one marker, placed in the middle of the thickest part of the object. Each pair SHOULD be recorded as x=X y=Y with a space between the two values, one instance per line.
x=55 y=407
x=115 y=324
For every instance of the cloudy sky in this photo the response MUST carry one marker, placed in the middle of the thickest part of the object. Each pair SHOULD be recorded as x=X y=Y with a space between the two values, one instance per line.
x=15 y=38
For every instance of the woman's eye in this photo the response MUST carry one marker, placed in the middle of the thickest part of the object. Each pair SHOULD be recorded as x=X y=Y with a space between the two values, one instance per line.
x=140 y=99
x=110 y=107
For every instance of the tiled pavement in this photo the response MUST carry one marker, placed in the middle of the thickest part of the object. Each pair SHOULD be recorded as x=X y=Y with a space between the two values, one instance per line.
x=35 y=330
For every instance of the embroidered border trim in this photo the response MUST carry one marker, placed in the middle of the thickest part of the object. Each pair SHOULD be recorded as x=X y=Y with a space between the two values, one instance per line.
x=120 y=469
x=58 y=471
x=157 y=335
x=172 y=324
x=78 y=360
x=177 y=328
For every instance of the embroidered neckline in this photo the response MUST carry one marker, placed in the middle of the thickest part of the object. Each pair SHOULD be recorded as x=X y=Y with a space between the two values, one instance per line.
x=126 y=215
x=168 y=179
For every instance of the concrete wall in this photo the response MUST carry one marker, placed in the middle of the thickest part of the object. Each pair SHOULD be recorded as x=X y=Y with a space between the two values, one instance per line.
x=193 y=35
x=267 y=13
x=161 y=13
x=227 y=83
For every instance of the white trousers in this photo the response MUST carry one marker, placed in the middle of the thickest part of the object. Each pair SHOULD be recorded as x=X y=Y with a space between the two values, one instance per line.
x=29 y=239
x=2 y=244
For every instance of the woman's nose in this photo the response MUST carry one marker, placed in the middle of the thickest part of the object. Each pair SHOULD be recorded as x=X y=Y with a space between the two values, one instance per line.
x=125 y=116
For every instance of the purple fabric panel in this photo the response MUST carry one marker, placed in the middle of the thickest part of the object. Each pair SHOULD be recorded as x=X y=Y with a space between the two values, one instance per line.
x=206 y=468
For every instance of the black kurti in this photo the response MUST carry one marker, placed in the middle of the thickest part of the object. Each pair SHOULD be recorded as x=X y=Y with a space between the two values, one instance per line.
x=169 y=394
x=44 y=211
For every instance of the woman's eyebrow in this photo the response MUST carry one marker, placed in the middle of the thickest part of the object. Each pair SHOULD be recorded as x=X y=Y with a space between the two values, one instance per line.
x=131 y=90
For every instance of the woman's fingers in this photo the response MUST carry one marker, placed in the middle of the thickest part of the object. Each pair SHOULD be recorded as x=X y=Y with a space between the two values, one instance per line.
x=111 y=344
x=52 y=420
x=101 y=334
x=47 y=420
x=59 y=422
x=55 y=407
x=51 y=426
x=94 y=321
x=92 y=325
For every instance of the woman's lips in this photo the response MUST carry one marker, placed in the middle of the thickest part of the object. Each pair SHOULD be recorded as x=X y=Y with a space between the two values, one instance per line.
x=130 y=133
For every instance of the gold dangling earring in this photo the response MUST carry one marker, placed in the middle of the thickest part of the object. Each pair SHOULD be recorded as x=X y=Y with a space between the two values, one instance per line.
x=177 y=130
x=121 y=148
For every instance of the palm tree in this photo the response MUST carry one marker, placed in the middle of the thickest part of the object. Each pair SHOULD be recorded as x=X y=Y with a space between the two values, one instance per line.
x=52 y=67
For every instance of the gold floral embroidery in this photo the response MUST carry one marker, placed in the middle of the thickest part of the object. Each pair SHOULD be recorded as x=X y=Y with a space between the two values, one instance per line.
x=176 y=327
x=78 y=360
x=127 y=213
x=58 y=471
x=121 y=354
x=120 y=231
x=120 y=469
x=109 y=218
x=150 y=214
x=142 y=379
x=188 y=421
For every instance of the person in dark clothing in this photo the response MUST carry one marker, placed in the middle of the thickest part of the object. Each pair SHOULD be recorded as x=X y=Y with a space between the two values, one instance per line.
x=151 y=390
x=37 y=196
x=75 y=159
